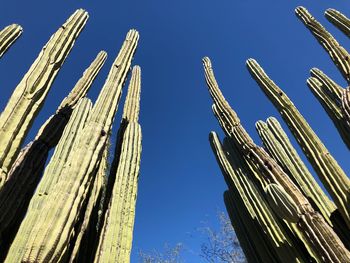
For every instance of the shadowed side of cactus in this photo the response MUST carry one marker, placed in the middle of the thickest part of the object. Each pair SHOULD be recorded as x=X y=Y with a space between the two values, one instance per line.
x=30 y=93
x=327 y=168
x=310 y=223
x=116 y=235
x=54 y=229
x=8 y=36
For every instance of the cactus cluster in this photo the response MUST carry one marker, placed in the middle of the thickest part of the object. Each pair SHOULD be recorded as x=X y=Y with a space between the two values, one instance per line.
x=75 y=209
x=278 y=210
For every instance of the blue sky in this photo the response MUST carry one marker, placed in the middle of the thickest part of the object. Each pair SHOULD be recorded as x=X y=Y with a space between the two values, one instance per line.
x=180 y=183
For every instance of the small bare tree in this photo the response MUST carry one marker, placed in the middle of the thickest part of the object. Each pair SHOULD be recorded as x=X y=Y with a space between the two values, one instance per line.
x=170 y=255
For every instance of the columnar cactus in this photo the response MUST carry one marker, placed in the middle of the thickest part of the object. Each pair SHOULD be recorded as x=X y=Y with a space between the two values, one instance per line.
x=330 y=173
x=332 y=97
x=264 y=227
x=337 y=53
x=30 y=93
x=116 y=236
x=339 y=20
x=51 y=234
x=8 y=36
x=23 y=177
x=325 y=243
x=50 y=178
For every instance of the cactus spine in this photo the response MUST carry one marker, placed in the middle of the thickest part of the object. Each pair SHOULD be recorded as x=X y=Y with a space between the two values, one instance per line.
x=325 y=243
x=23 y=177
x=116 y=236
x=30 y=93
x=330 y=173
x=8 y=36
x=50 y=236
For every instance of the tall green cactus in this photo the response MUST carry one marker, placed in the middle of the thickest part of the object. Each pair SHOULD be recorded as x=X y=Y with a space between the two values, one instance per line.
x=51 y=234
x=8 y=36
x=30 y=93
x=325 y=243
x=116 y=236
x=330 y=173
x=23 y=177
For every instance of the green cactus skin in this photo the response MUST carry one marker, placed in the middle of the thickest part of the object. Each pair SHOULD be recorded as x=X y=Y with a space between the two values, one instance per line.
x=331 y=95
x=328 y=170
x=269 y=236
x=30 y=93
x=51 y=176
x=337 y=53
x=116 y=235
x=88 y=230
x=339 y=20
x=280 y=148
x=8 y=36
x=54 y=229
x=326 y=244
x=28 y=167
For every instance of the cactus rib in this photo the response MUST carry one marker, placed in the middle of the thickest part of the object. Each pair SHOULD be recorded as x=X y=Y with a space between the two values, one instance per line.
x=8 y=36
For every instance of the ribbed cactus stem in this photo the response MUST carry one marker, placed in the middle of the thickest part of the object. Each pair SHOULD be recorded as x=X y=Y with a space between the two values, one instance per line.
x=116 y=236
x=54 y=229
x=327 y=168
x=338 y=54
x=281 y=149
x=339 y=20
x=8 y=36
x=31 y=92
x=51 y=176
x=274 y=234
x=330 y=96
x=319 y=231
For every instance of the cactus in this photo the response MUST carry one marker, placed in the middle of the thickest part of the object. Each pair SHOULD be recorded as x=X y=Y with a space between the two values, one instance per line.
x=50 y=178
x=8 y=36
x=264 y=227
x=325 y=243
x=332 y=98
x=330 y=173
x=116 y=235
x=51 y=234
x=281 y=149
x=30 y=93
x=339 y=20
x=338 y=54
x=27 y=169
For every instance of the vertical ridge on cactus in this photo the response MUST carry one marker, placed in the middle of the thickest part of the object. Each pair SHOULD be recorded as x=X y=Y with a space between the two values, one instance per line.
x=325 y=243
x=30 y=93
x=116 y=235
x=50 y=236
x=8 y=36
x=328 y=170
x=339 y=20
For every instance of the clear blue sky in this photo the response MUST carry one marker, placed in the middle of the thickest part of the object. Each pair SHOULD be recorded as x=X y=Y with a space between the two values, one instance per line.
x=180 y=183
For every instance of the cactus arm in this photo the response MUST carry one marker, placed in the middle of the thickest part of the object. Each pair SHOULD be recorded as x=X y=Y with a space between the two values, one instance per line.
x=333 y=249
x=338 y=54
x=30 y=93
x=331 y=96
x=328 y=170
x=8 y=36
x=116 y=237
x=53 y=230
x=278 y=144
x=339 y=20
